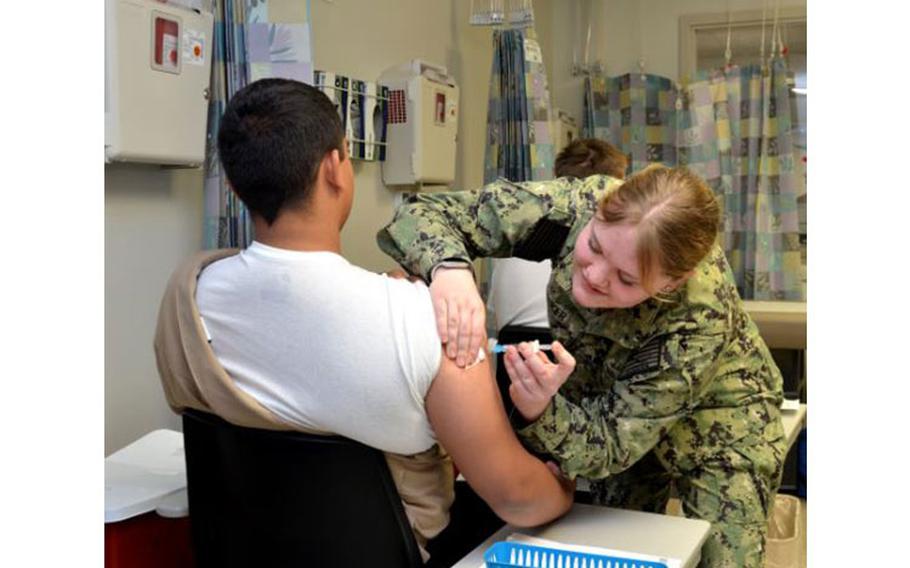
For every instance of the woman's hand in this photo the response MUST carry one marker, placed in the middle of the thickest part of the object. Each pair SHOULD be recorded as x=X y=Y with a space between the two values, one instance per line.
x=460 y=313
x=535 y=379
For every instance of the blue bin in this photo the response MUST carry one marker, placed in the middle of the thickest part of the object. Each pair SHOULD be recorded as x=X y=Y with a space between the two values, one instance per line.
x=516 y=554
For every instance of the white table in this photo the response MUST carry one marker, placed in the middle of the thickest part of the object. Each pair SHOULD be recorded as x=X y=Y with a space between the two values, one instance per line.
x=634 y=531
x=793 y=423
x=646 y=533
x=147 y=475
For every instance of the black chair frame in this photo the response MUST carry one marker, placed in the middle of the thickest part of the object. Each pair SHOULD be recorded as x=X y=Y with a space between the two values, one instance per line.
x=270 y=498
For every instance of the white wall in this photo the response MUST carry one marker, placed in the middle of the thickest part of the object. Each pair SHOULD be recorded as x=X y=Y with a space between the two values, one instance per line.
x=153 y=217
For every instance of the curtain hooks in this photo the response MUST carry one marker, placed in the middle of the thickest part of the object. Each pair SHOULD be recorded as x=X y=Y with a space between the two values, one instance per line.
x=728 y=53
x=774 y=32
x=780 y=41
x=576 y=25
x=588 y=41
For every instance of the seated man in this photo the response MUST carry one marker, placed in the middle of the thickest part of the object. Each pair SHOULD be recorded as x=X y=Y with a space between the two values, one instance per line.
x=287 y=334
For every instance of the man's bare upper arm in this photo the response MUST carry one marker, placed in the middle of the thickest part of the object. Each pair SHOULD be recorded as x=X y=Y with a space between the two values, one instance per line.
x=466 y=412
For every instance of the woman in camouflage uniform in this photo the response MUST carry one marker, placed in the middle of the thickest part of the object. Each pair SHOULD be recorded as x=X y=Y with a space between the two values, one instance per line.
x=673 y=384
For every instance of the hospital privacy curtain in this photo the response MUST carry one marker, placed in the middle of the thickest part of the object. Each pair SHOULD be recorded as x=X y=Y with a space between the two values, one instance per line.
x=733 y=128
x=519 y=143
x=253 y=39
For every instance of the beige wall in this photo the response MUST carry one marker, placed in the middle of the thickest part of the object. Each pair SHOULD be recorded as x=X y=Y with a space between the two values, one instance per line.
x=659 y=24
x=362 y=39
x=152 y=219
x=567 y=24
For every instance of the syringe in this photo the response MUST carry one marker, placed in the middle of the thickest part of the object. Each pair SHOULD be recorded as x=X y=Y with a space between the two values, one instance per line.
x=496 y=347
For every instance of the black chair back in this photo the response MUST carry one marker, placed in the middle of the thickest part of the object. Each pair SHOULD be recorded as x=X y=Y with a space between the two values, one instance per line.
x=275 y=499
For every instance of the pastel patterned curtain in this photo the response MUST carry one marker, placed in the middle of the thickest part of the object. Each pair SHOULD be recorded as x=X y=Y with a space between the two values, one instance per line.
x=734 y=130
x=253 y=39
x=636 y=113
x=519 y=143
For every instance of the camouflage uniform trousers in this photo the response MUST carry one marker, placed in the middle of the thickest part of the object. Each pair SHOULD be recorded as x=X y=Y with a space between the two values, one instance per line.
x=735 y=503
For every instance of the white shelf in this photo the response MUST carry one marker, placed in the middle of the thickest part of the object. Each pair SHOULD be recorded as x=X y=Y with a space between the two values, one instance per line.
x=782 y=324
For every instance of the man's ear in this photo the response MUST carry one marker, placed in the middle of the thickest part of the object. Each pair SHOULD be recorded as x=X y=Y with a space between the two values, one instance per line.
x=331 y=168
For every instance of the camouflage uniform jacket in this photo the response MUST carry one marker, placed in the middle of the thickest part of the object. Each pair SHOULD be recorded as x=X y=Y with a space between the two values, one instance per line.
x=689 y=378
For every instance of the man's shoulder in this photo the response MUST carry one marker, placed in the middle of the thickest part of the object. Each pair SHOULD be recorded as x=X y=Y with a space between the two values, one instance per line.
x=209 y=267
x=200 y=260
x=185 y=276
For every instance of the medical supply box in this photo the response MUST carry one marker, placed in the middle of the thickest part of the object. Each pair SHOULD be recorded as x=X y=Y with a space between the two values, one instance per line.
x=422 y=124
x=157 y=63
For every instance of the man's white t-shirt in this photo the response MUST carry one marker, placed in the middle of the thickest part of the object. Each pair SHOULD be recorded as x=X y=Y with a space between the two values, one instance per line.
x=325 y=344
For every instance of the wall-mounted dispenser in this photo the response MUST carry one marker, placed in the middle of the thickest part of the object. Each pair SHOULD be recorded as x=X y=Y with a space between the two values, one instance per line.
x=362 y=107
x=422 y=124
x=157 y=63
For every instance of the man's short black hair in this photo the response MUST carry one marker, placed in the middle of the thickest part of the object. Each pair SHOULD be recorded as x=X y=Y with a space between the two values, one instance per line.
x=585 y=157
x=272 y=138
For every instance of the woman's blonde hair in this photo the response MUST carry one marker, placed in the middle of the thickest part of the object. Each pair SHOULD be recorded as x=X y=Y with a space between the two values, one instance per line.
x=677 y=217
